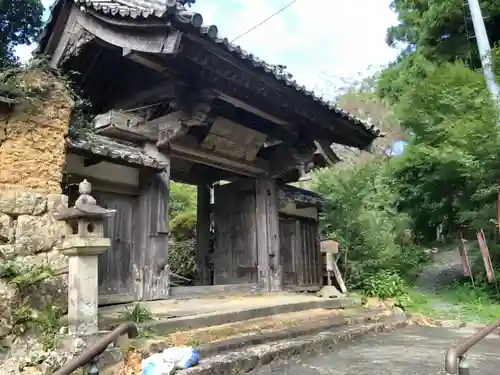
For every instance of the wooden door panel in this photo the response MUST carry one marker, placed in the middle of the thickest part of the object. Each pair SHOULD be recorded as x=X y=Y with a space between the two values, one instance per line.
x=288 y=249
x=116 y=280
x=235 y=257
x=312 y=271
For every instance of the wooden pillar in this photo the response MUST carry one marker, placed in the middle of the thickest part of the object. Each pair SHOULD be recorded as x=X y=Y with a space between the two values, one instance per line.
x=268 y=240
x=203 y=235
x=153 y=221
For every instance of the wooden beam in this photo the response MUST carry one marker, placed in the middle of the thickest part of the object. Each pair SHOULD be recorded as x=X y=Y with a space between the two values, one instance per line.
x=324 y=149
x=210 y=158
x=125 y=126
x=159 y=92
x=143 y=60
x=240 y=104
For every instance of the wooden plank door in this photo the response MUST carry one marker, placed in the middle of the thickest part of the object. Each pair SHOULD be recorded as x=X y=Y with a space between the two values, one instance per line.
x=288 y=249
x=116 y=265
x=235 y=255
x=312 y=268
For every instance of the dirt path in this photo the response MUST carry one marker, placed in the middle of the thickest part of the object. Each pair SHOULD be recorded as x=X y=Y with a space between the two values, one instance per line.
x=444 y=268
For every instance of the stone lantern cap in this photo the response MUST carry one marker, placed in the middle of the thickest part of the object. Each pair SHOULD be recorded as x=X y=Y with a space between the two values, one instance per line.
x=85 y=207
x=86 y=221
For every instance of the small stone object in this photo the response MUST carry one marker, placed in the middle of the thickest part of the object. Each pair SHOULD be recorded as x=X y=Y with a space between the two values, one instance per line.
x=83 y=246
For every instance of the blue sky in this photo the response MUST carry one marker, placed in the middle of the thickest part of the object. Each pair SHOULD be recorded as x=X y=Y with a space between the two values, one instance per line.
x=323 y=44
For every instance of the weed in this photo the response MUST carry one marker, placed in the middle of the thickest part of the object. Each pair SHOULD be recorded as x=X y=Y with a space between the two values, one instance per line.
x=147 y=332
x=138 y=314
x=384 y=284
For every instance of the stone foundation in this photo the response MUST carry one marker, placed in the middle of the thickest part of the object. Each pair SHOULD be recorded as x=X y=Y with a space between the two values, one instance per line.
x=29 y=235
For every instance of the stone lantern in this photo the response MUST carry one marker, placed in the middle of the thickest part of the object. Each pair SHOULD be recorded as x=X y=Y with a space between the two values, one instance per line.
x=82 y=246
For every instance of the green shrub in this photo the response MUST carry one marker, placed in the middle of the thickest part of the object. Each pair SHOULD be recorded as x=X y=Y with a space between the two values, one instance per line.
x=181 y=258
x=183 y=226
x=182 y=198
x=385 y=284
x=361 y=214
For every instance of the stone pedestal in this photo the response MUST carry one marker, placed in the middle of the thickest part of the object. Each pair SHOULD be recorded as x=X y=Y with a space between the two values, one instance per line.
x=83 y=283
x=83 y=246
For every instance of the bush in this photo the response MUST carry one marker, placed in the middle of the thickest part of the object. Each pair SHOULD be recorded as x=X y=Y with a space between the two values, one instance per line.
x=361 y=214
x=181 y=259
x=183 y=226
x=182 y=198
x=384 y=284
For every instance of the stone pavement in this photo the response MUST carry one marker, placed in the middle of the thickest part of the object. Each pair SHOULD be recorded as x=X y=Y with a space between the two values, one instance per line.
x=409 y=351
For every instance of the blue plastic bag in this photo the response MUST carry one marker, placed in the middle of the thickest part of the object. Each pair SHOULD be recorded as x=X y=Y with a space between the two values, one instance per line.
x=182 y=357
x=156 y=365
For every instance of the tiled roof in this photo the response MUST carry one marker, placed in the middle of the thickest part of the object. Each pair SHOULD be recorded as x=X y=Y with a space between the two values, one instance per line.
x=302 y=195
x=113 y=149
x=178 y=10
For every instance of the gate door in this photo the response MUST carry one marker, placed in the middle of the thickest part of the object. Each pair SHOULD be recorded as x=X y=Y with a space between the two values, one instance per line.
x=116 y=271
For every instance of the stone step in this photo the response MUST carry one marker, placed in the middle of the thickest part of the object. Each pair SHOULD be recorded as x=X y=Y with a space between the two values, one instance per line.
x=240 y=312
x=230 y=347
x=254 y=357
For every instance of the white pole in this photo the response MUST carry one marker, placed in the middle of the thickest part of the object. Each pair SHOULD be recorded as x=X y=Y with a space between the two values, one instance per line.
x=483 y=45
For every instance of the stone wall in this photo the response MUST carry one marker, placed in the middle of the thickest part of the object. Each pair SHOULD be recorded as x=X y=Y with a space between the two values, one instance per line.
x=29 y=235
x=32 y=156
x=32 y=146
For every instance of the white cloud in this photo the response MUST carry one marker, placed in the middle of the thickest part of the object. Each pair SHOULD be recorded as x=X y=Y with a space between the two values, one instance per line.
x=318 y=42
x=336 y=38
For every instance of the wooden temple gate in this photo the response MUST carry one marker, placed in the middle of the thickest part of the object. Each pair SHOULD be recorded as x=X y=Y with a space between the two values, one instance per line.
x=172 y=101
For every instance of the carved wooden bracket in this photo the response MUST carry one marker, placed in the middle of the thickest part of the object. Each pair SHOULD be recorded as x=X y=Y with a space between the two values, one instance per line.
x=195 y=106
x=170 y=127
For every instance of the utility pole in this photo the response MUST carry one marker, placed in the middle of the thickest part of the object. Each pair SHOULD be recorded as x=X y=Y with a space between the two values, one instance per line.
x=483 y=45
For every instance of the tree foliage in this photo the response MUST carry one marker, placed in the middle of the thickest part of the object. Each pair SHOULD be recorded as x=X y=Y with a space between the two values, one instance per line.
x=361 y=214
x=20 y=23
x=442 y=29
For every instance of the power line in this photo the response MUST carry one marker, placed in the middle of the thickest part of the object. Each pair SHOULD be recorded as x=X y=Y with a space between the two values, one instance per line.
x=264 y=21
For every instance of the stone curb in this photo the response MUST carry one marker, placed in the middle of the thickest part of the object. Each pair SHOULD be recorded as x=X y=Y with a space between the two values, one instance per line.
x=217 y=318
x=239 y=343
x=247 y=360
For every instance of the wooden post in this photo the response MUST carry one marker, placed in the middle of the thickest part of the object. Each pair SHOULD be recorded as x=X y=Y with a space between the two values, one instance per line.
x=268 y=240
x=203 y=235
x=154 y=200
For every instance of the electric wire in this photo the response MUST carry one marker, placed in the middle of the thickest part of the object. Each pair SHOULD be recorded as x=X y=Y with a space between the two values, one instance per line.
x=265 y=20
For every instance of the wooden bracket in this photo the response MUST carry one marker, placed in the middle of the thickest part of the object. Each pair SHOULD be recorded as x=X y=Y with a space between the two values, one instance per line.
x=170 y=127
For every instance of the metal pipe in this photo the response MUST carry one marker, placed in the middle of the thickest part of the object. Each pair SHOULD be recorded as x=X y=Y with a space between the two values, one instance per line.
x=89 y=354
x=483 y=45
x=458 y=351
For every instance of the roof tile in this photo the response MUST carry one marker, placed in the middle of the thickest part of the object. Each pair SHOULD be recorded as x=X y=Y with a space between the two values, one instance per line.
x=165 y=8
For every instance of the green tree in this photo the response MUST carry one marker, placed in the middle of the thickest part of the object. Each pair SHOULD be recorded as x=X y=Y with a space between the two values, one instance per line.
x=441 y=28
x=449 y=173
x=20 y=23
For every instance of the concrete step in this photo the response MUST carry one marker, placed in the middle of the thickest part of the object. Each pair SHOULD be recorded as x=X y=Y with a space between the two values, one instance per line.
x=192 y=314
x=229 y=348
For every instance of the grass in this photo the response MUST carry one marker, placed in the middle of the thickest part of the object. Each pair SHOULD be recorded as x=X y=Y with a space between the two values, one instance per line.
x=459 y=301
x=138 y=314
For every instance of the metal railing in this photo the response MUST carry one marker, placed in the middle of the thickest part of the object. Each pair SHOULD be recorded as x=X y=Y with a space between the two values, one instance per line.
x=91 y=355
x=455 y=358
